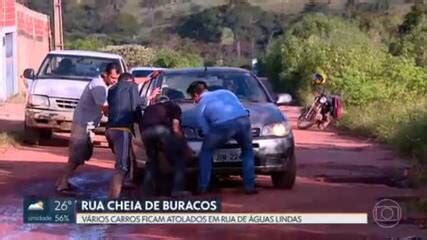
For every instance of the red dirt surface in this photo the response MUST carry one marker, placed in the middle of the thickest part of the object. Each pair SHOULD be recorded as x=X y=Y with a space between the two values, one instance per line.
x=26 y=171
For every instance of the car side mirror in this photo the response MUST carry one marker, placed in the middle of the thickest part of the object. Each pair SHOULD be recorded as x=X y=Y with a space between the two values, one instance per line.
x=284 y=99
x=29 y=73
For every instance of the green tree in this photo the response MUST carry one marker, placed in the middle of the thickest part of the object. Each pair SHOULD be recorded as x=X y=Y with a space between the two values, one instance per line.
x=414 y=17
x=125 y=24
x=39 y=5
x=413 y=36
x=204 y=26
x=315 y=6
x=151 y=5
x=80 y=20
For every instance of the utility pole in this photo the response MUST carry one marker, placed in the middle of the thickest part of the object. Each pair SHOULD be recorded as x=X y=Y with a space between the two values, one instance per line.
x=58 y=34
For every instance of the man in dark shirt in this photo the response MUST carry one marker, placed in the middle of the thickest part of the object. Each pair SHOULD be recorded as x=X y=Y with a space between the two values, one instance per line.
x=123 y=101
x=123 y=104
x=161 y=133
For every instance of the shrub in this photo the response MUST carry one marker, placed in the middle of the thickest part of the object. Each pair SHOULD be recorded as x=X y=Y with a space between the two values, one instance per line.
x=403 y=124
x=168 y=58
x=89 y=43
x=137 y=55
x=384 y=95
x=134 y=55
x=331 y=45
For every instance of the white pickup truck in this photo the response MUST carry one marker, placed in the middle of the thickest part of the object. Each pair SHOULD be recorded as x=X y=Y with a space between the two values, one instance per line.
x=55 y=89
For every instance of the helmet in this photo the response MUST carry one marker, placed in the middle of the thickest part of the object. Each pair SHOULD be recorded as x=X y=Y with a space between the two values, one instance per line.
x=318 y=78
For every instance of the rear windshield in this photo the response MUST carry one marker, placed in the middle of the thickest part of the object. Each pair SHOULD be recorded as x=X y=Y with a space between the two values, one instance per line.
x=73 y=67
x=244 y=85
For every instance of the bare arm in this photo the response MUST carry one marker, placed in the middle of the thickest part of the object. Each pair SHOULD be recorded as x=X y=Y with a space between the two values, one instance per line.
x=176 y=127
x=154 y=94
x=104 y=109
x=142 y=80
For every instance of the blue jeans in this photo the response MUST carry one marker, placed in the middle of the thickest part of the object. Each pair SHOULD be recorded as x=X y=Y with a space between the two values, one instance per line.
x=238 y=129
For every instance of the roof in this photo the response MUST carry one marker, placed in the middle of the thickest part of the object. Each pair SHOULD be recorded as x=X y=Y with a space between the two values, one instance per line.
x=85 y=53
x=203 y=69
x=145 y=68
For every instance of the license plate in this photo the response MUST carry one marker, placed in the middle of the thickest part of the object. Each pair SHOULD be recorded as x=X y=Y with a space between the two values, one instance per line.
x=232 y=155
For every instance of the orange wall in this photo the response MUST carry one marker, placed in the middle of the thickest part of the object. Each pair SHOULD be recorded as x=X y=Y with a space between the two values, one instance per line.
x=32 y=39
x=7 y=13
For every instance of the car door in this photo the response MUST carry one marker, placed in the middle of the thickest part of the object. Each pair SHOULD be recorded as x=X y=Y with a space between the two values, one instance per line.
x=138 y=145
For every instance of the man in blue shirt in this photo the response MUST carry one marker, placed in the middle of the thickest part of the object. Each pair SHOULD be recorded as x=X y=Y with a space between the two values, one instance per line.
x=222 y=117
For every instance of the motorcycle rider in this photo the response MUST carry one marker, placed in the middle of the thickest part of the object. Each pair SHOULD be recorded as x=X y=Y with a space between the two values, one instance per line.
x=324 y=117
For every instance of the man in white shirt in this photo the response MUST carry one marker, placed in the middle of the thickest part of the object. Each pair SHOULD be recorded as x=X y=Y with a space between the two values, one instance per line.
x=87 y=115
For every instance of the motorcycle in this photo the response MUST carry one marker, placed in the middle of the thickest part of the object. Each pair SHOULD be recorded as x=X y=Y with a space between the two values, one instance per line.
x=322 y=111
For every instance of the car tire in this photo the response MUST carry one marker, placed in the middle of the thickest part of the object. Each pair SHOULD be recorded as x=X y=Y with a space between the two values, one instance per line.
x=45 y=134
x=285 y=179
x=31 y=135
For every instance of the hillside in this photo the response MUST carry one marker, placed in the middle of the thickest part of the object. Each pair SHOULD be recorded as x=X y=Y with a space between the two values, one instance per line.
x=168 y=13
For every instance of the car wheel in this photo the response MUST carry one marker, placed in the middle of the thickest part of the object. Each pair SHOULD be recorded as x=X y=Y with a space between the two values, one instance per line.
x=46 y=134
x=285 y=179
x=31 y=135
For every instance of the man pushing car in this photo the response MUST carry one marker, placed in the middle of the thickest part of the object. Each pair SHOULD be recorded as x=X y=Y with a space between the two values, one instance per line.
x=222 y=117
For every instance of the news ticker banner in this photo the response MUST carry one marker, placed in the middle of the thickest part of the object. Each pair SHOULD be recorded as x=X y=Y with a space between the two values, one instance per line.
x=202 y=211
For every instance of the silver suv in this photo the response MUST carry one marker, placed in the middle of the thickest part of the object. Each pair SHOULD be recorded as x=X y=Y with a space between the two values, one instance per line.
x=55 y=89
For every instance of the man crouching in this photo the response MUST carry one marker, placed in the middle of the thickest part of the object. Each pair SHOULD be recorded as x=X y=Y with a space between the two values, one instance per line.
x=162 y=136
x=123 y=102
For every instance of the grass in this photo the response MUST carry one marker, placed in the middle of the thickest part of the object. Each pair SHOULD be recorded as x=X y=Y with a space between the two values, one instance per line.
x=402 y=125
x=11 y=139
x=18 y=98
x=417 y=208
x=14 y=136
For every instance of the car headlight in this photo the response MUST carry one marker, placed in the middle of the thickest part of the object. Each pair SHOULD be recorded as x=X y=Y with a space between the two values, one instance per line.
x=38 y=101
x=276 y=129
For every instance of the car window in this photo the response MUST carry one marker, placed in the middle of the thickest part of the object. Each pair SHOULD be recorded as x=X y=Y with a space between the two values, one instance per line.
x=244 y=85
x=141 y=73
x=149 y=88
x=68 y=66
x=144 y=88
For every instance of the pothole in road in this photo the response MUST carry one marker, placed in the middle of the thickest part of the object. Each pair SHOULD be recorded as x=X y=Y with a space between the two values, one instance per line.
x=383 y=180
x=362 y=174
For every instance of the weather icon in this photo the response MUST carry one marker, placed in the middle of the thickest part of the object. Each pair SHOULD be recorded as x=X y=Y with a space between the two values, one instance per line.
x=38 y=206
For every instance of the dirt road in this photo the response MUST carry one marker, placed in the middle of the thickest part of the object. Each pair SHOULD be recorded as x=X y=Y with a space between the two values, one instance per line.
x=335 y=174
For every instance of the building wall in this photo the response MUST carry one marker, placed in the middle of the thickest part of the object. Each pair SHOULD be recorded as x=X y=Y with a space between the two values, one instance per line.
x=31 y=37
x=7 y=13
x=8 y=76
x=32 y=40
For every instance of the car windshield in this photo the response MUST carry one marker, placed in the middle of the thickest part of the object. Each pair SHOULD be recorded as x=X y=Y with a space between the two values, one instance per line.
x=141 y=73
x=73 y=67
x=246 y=87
